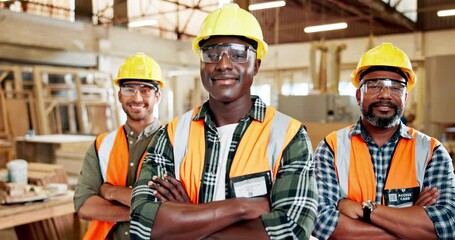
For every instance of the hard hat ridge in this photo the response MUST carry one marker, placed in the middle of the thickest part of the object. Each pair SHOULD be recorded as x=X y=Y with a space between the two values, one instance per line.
x=384 y=55
x=231 y=20
x=140 y=67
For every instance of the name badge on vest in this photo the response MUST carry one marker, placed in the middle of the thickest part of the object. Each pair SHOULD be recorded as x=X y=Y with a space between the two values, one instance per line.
x=404 y=197
x=252 y=185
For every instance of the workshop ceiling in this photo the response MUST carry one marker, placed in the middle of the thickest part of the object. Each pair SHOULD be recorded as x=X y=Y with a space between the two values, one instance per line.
x=181 y=19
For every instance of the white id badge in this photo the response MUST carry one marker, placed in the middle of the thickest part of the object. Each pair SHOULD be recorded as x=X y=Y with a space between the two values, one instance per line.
x=253 y=185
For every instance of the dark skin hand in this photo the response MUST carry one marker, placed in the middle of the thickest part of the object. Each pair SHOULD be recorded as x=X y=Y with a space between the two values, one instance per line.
x=168 y=189
x=351 y=211
x=171 y=189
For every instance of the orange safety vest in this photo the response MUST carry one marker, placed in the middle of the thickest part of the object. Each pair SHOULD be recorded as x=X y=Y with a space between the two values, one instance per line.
x=113 y=155
x=259 y=150
x=354 y=167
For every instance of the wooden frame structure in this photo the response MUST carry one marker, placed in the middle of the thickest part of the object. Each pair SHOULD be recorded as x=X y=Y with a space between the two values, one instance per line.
x=58 y=100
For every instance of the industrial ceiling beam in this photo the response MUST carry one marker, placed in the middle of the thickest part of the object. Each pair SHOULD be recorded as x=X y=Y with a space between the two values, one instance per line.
x=389 y=13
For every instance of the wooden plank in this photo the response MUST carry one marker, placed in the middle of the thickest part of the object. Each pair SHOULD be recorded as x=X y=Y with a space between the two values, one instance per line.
x=43 y=122
x=14 y=215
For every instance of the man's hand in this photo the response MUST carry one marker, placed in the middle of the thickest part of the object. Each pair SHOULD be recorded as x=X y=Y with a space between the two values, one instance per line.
x=106 y=191
x=350 y=208
x=116 y=194
x=427 y=197
x=168 y=189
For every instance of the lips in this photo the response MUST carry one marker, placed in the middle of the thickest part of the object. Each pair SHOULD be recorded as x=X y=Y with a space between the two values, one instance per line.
x=136 y=106
x=224 y=77
x=383 y=106
x=225 y=80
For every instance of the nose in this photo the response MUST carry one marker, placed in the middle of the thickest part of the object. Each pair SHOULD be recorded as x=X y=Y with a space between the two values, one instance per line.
x=383 y=93
x=225 y=62
x=137 y=95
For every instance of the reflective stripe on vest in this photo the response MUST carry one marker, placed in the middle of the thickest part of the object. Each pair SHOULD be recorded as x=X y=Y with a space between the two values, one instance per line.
x=113 y=157
x=281 y=130
x=104 y=152
x=421 y=155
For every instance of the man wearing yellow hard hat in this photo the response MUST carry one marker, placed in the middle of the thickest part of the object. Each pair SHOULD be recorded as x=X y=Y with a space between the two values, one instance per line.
x=244 y=170
x=113 y=162
x=380 y=179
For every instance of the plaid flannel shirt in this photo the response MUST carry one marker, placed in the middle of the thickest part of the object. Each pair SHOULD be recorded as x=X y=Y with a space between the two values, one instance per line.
x=293 y=195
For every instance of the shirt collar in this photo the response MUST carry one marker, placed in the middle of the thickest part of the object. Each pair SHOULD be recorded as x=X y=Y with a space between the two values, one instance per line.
x=149 y=130
x=257 y=112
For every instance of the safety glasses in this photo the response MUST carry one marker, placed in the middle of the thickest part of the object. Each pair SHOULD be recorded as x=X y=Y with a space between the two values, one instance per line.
x=129 y=90
x=237 y=53
x=377 y=85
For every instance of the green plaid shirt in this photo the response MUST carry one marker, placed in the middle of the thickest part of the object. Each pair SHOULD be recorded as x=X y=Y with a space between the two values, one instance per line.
x=293 y=196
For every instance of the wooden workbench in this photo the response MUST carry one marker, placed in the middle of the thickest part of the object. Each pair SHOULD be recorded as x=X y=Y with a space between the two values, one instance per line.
x=19 y=214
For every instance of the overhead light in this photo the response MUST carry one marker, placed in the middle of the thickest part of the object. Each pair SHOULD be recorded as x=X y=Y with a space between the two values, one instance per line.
x=142 y=23
x=446 y=13
x=326 y=27
x=265 y=5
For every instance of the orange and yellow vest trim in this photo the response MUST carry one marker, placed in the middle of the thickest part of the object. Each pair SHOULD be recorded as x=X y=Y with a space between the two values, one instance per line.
x=354 y=167
x=113 y=156
x=259 y=150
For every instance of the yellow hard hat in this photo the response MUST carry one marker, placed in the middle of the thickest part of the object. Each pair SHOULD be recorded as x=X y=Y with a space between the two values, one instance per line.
x=384 y=55
x=231 y=20
x=140 y=67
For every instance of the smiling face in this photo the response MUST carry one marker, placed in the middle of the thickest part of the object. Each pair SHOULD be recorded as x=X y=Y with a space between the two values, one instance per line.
x=139 y=106
x=383 y=108
x=227 y=81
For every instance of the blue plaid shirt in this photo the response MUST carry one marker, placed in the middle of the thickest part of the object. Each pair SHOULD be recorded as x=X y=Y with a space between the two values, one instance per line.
x=439 y=173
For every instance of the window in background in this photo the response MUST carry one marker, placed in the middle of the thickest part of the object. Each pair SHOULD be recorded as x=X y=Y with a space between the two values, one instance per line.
x=263 y=91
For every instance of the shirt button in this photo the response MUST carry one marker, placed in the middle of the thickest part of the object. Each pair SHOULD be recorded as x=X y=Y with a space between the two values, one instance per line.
x=131 y=164
x=131 y=142
x=126 y=233
x=130 y=186
x=131 y=133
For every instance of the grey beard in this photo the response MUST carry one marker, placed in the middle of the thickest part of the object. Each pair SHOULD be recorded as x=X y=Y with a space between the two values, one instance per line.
x=382 y=122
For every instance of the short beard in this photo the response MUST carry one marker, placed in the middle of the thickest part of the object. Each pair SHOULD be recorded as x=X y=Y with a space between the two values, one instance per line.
x=382 y=122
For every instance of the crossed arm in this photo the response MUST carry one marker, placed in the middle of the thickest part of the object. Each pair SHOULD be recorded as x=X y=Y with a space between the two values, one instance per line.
x=176 y=218
x=429 y=218
x=387 y=222
x=95 y=200
x=240 y=217
x=290 y=211
x=111 y=205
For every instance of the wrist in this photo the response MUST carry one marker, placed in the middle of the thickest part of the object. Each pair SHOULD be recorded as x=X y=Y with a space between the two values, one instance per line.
x=368 y=207
x=106 y=191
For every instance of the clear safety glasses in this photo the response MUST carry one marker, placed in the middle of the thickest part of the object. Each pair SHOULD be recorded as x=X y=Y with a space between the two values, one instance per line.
x=377 y=85
x=237 y=53
x=129 y=90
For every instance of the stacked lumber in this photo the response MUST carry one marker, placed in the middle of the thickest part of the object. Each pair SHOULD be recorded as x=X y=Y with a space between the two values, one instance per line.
x=20 y=193
x=65 y=227
x=41 y=174
x=71 y=156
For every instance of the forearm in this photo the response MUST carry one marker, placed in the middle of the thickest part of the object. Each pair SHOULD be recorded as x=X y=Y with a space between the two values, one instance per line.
x=200 y=220
x=252 y=229
x=98 y=208
x=408 y=223
x=116 y=193
x=354 y=229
